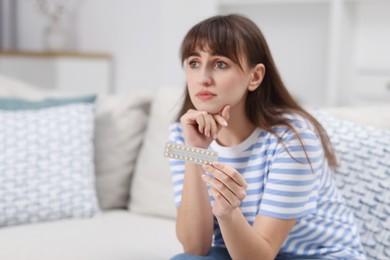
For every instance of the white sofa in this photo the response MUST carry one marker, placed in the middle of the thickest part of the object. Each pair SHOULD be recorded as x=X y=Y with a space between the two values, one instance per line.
x=134 y=190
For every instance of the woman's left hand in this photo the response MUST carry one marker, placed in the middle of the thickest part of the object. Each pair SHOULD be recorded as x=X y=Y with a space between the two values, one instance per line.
x=227 y=186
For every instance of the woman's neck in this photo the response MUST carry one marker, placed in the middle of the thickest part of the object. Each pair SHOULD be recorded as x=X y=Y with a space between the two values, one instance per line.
x=239 y=129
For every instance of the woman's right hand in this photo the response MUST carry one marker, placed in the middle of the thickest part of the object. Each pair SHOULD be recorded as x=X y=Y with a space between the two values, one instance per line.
x=201 y=128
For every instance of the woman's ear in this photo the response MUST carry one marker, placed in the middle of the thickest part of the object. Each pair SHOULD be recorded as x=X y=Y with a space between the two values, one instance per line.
x=257 y=76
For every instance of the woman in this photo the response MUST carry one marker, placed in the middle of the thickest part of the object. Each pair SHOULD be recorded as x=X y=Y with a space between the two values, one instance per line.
x=272 y=193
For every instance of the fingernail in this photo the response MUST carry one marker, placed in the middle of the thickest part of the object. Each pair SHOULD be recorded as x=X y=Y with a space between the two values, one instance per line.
x=216 y=163
x=225 y=123
x=205 y=166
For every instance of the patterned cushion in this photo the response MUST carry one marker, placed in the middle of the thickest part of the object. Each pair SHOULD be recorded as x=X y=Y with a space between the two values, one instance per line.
x=363 y=176
x=118 y=138
x=46 y=162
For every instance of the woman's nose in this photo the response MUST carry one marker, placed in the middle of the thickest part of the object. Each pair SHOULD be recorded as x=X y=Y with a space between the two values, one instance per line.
x=205 y=77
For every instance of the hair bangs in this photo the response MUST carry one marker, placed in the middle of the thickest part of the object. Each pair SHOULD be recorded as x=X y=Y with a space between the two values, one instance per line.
x=214 y=36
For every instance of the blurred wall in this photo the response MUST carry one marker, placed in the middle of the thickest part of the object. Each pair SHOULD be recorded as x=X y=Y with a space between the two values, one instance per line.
x=143 y=36
x=325 y=50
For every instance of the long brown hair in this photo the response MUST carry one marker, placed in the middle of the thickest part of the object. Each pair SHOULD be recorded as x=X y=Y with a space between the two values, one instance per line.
x=236 y=36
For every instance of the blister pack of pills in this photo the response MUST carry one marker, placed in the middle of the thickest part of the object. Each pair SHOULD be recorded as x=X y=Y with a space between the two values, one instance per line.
x=189 y=153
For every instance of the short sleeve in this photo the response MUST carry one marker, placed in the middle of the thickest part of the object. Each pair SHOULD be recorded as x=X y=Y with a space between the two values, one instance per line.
x=176 y=166
x=292 y=184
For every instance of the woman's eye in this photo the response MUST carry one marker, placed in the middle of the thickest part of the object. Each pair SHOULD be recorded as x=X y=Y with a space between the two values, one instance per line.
x=221 y=65
x=193 y=64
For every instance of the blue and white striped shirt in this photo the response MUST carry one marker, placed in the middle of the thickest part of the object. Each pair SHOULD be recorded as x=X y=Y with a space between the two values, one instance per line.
x=283 y=184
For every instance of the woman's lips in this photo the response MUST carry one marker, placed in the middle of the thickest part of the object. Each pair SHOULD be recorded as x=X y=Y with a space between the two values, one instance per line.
x=205 y=95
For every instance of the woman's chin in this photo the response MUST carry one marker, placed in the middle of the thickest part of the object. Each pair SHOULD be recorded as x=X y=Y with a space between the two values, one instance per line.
x=209 y=109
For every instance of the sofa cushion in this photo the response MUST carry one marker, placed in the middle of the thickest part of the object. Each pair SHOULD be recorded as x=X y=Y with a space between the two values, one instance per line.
x=120 y=128
x=46 y=160
x=363 y=176
x=114 y=235
x=120 y=123
x=151 y=187
x=377 y=116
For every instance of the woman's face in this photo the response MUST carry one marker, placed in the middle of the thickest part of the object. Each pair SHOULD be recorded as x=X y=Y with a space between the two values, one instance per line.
x=216 y=81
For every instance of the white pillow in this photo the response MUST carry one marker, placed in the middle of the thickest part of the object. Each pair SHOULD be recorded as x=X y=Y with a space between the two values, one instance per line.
x=120 y=129
x=46 y=164
x=151 y=187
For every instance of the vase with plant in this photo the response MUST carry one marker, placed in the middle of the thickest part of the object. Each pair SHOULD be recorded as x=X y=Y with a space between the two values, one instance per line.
x=54 y=34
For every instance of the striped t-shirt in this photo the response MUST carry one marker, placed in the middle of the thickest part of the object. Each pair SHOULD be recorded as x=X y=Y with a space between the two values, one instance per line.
x=283 y=184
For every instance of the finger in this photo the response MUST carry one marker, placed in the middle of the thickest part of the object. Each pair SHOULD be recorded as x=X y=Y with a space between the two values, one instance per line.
x=226 y=112
x=213 y=127
x=189 y=117
x=199 y=119
x=222 y=190
x=223 y=202
x=230 y=183
x=231 y=172
x=209 y=121
x=220 y=120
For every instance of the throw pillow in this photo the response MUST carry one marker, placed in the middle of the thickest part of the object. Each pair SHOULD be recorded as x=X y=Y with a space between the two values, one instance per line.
x=151 y=187
x=46 y=160
x=120 y=128
x=120 y=123
x=363 y=176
